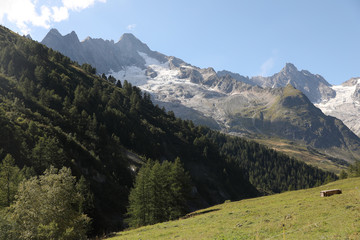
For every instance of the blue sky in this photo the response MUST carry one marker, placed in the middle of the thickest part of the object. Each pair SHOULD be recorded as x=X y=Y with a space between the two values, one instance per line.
x=250 y=37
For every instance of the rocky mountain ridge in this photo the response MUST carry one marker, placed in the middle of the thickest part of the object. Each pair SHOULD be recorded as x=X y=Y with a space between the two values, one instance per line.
x=105 y=55
x=340 y=101
x=314 y=86
x=224 y=100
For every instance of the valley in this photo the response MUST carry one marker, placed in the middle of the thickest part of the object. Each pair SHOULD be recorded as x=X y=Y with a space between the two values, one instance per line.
x=179 y=120
x=255 y=108
x=56 y=114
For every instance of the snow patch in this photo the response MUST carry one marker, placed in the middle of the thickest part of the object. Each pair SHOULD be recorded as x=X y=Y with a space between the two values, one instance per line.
x=166 y=78
x=343 y=106
x=135 y=75
x=168 y=87
x=149 y=60
x=343 y=96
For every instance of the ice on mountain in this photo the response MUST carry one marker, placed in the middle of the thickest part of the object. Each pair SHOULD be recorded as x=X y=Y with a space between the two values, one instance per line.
x=343 y=106
x=135 y=75
x=149 y=60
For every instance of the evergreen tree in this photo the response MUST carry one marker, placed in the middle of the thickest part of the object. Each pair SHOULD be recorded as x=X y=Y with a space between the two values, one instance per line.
x=160 y=193
x=40 y=74
x=118 y=84
x=180 y=189
x=88 y=68
x=46 y=153
x=86 y=202
x=10 y=177
x=139 y=198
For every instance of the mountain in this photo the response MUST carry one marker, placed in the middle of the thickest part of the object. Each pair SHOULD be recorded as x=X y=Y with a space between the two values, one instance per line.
x=315 y=87
x=340 y=101
x=69 y=44
x=253 y=107
x=54 y=112
x=345 y=105
x=105 y=56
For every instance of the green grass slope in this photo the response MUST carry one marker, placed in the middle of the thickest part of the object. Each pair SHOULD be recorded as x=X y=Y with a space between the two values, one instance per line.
x=299 y=214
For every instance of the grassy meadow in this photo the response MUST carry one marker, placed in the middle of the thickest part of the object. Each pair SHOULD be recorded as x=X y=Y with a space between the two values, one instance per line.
x=301 y=214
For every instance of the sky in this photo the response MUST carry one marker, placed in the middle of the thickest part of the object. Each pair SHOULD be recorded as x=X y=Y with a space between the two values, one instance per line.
x=249 y=37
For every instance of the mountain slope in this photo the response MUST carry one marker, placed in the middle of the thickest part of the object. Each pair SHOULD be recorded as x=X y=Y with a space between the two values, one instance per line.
x=55 y=112
x=345 y=105
x=292 y=215
x=233 y=103
x=245 y=110
x=290 y=115
x=340 y=101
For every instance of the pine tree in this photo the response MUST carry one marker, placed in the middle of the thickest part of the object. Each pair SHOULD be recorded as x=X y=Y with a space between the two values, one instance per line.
x=47 y=152
x=139 y=198
x=118 y=84
x=160 y=193
x=180 y=189
x=10 y=177
x=40 y=74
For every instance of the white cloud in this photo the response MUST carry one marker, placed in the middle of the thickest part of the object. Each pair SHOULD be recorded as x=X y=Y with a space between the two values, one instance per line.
x=131 y=27
x=22 y=12
x=27 y=13
x=60 y=14
x=79 y=5
x=267 y=66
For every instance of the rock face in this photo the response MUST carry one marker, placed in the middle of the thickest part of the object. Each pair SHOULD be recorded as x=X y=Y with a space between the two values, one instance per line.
x=69 y=45
x=356 y=94
x=104 y=55
x=267 y=106
x=315 y=87
x=342 y=102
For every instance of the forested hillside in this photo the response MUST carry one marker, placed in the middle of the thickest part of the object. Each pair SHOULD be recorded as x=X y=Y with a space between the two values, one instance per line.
x=54 y=112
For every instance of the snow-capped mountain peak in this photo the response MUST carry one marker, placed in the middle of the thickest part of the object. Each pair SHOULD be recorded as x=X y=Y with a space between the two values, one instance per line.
x=222 y=100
